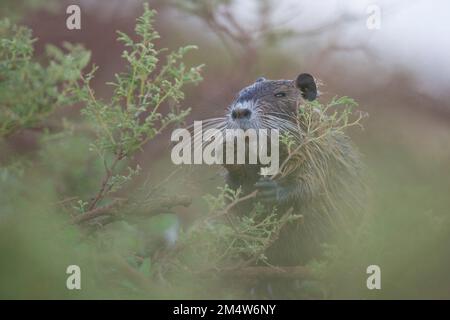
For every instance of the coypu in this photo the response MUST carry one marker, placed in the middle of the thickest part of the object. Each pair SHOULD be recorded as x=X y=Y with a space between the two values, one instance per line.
x=324 y=185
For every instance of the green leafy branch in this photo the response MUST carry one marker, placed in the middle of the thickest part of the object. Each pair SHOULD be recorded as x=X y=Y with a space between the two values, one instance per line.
x=29 y=90
x=223 y=240
x=317 y=126
x=145 y=101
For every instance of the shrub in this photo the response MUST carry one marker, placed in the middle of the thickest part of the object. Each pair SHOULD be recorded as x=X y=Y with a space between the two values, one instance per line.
x=31 y=90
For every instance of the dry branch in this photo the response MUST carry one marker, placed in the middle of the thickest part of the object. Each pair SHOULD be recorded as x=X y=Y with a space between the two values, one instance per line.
x=95 y=213
x=155 y=206
x=259 y=272
x=162 y=204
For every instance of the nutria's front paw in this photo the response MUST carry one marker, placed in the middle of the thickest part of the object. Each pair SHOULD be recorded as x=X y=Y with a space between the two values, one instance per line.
x=269 y=191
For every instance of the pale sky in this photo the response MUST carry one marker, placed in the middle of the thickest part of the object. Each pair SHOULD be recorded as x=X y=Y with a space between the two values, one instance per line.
x=414 y=34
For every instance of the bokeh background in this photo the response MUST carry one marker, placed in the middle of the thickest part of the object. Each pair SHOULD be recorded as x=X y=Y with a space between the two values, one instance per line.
x=399 y=74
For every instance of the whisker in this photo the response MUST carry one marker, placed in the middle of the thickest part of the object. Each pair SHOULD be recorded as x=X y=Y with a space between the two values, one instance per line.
x=207 y=121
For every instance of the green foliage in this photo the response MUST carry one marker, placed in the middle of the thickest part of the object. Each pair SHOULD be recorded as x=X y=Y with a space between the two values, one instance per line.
x=146 y=100
x=29 y=90
x=223 y=240
x=62 y=157
x=226 y=194
x=335 y=116
x=319 y=121
x=319 y=128
x=134 y=116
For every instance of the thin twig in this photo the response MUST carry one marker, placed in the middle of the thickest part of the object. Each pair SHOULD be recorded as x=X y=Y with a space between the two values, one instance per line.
x=259 y=272
x=156 y=206
x=95 y=213
x=105 y=187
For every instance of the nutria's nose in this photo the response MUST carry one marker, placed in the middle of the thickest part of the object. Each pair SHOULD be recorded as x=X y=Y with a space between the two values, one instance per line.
x=241 y=113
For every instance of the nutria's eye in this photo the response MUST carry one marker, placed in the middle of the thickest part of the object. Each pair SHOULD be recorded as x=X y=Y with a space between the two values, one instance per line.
x=280 y=94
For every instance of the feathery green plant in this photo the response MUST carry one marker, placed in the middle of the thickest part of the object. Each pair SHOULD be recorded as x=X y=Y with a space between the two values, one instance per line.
x=29 y=90
x=145 y=101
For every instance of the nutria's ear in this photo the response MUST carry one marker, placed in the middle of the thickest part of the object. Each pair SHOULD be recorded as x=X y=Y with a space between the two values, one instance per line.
x=260 y=79
x=305 y=82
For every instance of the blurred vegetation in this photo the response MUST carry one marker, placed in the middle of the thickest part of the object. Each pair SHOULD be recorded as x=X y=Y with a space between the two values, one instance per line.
x=15 y=10
x=114 y=131
x=77 y=199
x=31 y=90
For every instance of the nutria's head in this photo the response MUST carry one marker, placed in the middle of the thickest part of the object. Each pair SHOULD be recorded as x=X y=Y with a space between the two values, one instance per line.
x=264 y=103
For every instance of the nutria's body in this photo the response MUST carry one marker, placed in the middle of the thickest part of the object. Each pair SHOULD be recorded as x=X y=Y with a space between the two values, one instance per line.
x=320 y=186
